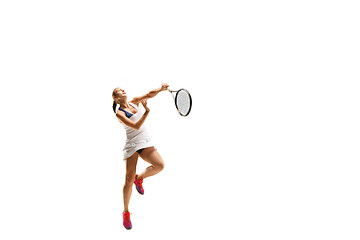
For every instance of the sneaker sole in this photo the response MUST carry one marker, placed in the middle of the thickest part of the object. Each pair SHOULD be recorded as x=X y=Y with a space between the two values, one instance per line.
x=139 y=191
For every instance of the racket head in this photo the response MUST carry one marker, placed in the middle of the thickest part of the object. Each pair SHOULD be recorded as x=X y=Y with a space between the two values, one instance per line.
x=183 y=102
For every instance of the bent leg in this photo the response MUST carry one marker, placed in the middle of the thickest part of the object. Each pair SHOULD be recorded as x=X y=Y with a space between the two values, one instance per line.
x=129 y=179
x=151 y=156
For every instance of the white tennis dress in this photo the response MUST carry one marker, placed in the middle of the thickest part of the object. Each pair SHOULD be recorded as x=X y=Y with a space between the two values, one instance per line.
x=136 y=139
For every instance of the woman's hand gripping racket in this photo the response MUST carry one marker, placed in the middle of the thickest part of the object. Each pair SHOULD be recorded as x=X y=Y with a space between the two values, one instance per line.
x=182 y=100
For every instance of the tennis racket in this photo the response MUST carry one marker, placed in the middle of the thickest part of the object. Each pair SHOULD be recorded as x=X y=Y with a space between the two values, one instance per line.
x=182 y=100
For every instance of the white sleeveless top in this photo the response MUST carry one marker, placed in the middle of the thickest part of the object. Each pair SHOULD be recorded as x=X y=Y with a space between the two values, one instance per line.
x=136 y=139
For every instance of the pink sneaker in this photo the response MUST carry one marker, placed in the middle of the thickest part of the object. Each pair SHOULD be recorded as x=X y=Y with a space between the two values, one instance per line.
x=127 y=222
x=138 y=184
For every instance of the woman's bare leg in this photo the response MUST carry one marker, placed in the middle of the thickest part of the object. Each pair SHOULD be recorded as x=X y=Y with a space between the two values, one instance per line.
x=151 y=156
x=129 y=180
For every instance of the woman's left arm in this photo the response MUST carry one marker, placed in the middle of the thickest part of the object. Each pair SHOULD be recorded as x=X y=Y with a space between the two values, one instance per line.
x=150 y=94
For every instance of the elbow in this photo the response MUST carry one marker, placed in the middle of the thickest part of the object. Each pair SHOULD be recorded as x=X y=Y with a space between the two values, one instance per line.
x=151 y=94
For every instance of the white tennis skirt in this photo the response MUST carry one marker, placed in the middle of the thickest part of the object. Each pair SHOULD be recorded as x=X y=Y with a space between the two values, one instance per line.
x=132 y=146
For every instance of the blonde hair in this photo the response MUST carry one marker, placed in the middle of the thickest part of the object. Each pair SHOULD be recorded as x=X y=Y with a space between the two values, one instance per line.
x=114 y=103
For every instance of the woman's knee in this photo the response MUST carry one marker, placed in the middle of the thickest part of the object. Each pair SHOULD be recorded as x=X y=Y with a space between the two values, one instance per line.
x=129 y=179
x=160 y=165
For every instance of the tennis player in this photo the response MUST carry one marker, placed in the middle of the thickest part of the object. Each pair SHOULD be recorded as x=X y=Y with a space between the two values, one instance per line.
x=138 y=143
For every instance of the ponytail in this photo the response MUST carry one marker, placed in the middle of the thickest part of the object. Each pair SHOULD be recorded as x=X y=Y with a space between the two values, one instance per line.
x=114 y=106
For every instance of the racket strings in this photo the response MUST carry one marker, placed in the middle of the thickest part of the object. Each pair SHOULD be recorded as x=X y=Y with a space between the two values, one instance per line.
x=183 y=102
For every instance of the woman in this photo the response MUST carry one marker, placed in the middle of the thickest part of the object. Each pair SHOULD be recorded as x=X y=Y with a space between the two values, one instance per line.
x=138 y=143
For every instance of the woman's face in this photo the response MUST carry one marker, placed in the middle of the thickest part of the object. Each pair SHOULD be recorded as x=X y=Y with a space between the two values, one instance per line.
x=120 y=93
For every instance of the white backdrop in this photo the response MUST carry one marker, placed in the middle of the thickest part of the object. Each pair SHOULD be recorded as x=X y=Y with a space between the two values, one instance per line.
x=269 y=151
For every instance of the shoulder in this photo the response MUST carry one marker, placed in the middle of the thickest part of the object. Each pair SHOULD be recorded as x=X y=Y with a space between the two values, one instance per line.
x=120 y=114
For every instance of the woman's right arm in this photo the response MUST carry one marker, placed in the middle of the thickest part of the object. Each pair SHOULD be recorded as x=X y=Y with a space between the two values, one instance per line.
x=136 y=125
